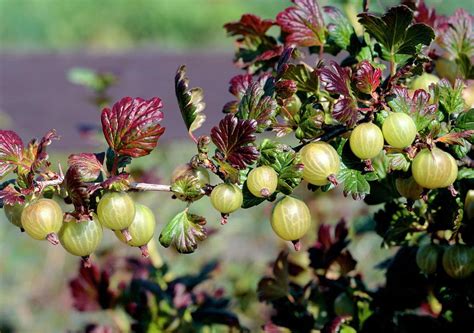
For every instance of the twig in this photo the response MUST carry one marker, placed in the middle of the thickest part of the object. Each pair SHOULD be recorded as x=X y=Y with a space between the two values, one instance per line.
x=335 y=131
x=150 y=187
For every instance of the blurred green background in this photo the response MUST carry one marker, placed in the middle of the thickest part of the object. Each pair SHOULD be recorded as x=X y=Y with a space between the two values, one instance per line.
x=34 y=275
x=118 y=25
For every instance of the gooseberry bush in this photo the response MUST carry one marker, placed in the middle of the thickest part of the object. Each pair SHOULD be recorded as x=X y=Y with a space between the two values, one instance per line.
x=380 y=105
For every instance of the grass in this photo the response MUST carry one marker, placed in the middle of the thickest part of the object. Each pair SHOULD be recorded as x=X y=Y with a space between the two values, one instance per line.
x=118 y=25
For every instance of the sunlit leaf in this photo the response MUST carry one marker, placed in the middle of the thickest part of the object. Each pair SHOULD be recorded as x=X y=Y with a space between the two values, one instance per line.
x=11 y=151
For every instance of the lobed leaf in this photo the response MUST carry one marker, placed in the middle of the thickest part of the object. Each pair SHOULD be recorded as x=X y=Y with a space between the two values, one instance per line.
x=187 y=188
x=395 y=33
x=341 y=31
x=132 y=126
x=239 y=84
x=249 y=24
x=234 y=140
x=355 y=183
x=190 y=101
x=88 y=165
x=276 y=287
x=450 y=97
x=336 y=80
x=367 y=77
x=457 y=35
x=183 y=232
x=306 y=80
x=11 y=151
x=303 y=24
x=11 y=196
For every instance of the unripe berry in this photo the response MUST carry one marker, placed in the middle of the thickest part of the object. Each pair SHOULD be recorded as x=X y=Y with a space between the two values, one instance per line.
x=366 y=141
x=262 y=181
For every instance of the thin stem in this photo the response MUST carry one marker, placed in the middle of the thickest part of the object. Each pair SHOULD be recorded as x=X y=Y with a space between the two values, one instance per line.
x=335 y=131
x=393 y=68
x=150 y=187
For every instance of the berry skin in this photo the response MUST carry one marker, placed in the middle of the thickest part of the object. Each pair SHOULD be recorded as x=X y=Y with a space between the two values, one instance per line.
x=427 y=258
x=320 y=161
x=81 y=238
x=42 y=219
x=424 y=81
x=408 y=188
x=458 y=261
x=262 y=181
x=142 y=227
x=293 y=105
x=290 y=219
x=116 y=210
x=226 y=198
x=366 y=141
x=186 y=169
x=469 y=205
x=13 y=214
x=434 y=169
x=399 y=130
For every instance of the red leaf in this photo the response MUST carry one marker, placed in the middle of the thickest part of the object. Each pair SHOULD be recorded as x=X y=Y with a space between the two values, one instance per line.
x=345 y=111
x=303 y=23
x=131 y=127
x=336 y=79
x=88 y=165
x=37 y=152
x=239 y=84
x=249 y=25
x=11 y=196
x=422 y=13
x=367 y=77
x=233 y=138
x=11 y=151
x=455 y=138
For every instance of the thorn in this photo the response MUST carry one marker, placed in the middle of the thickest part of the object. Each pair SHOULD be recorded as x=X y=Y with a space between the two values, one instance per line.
x=144 y=249
x=86 y=261
x=52 y=238
x=126 y=234
x=297 y=244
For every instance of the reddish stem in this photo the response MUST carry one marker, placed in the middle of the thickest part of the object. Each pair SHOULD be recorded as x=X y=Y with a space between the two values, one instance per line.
x=144 y=249
x=126 y=234
x=452 y=190
x=297 y=244
x=333 y=180
x=224 y=218
x=52 y=238
x=86 y=261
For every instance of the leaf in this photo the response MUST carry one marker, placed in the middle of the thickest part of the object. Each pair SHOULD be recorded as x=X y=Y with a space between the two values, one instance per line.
x=303 y=24
x=11 y=196
x=421 y=12
x=96 y=81
x=132 y=126
x=183 y=232
x=355 y=183
x=336 y=79
x=305 y=79
x=465 y=121
x=395 y=33
x=88 y=165
x=77 y=189
x=341 y=31
x=11 y=151
x=367 y=77
x=234 y=140
x=249 y=199
x=450 y=97
x=455 y=138
x=255 y=104
x=239 y=84
x=274 y=288
x=398 y=162
x=190 y=101
x=456 y=35
x=289 y=168
x=345 y=111
x=187 y=188
x=285 y=89
x=249 y=24
x=418 y=107
x=465 y=66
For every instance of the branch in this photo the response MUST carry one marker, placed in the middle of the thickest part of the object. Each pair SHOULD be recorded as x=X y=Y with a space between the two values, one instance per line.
x=332 y=133
x=150 y=187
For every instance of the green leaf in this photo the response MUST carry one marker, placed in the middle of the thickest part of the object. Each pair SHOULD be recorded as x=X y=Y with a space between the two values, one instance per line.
x=249 y=199
x=465 y=121
x=450 y=97
x=341 y=31
x=398 y=162
x=394 y=33
x=305 y=79
x=190 y=101
x=287 y=164
x=466 y=173
x=187 y=188
x=183 y=232
x=95 y=81
x=354 y=182
x=465 y=66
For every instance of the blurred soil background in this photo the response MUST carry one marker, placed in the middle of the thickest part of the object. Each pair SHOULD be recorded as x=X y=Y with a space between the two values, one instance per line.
x=142 y=42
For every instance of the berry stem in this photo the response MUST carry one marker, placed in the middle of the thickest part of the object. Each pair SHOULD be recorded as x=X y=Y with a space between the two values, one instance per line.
x=86 y=261
x=126 y=234
x=265 y=192
x=224 y=218
x=52 y=238
x=333 y=180
x=144 y=249
x=297 y=244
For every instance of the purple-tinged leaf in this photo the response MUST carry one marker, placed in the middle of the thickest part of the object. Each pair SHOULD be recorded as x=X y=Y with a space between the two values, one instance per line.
x=272 y=54
x=421 y=12
x=457 y=34
x=367 y=77
x=276 y=287
x=305 y=78
x=455 y=138
x=91 y=291
x=231 y=107
x=190 y=102
x=239 y=84
x=345 y=111
x=132 y=127
x=336 y=79
x=78 y=191
x=88 y=165
x=255 y=104
x=10 y=196
x=418 y=106
x=249 y=24
x=183 y=232
x=11 y=151
x=234 y=140
x=303 y=24
x=285 y=89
